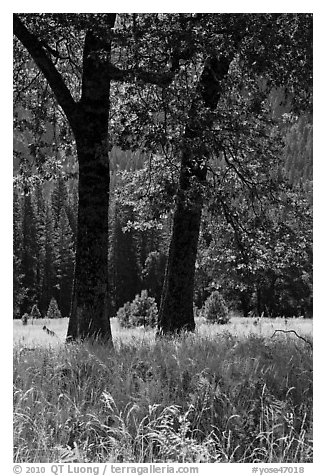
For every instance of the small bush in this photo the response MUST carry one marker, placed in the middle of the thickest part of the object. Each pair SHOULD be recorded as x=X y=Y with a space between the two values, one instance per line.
x=25 y=318
x=141 y=312
x=53 y=310
x=35 y=312
x=216 y=310
x=124 y=314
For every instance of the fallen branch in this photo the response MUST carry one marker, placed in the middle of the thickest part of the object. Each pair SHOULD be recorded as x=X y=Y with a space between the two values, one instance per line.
x=48 y=331
x=294 y=332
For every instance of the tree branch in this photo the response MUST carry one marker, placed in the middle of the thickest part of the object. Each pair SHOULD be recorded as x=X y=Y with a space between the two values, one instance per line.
x=152 y=77
x=294 y=332
x=44 y=63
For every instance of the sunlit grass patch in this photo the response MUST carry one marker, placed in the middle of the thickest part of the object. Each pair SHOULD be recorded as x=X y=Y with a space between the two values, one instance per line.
x=33 y=334
x=204 y=398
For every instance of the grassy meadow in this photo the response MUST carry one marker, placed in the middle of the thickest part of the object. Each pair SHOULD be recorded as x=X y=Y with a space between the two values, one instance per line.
x=229 y=393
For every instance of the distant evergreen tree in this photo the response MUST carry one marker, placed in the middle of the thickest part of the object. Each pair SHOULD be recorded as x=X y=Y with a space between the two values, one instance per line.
x=59 y=198
x=123 y=259
x=215 y=309
x=153 y=274
x=18 y=289
x=35 y=312
x=142 y=311
x=29 y=254
x=64 y=263
x=53 y=310
x=39 y=210
x=49 y=276
x=72 y=209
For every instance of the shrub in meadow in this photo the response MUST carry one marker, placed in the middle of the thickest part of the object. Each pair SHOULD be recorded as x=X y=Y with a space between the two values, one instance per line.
x=25 y=318
x=53 y=310
x=215 y=309
x=35 y=312
x=144 y=310
x=141 y=312
x=124 y=314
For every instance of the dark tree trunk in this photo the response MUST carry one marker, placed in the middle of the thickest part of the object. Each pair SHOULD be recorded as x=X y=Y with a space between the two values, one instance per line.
x=176 y=309
x=89 y=311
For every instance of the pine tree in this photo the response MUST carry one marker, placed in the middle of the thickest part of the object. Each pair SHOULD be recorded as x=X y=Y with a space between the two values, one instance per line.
x=29 y=254
x=35 y=312
x=59 y=198
x=123 y=259
x=216 y=309
x=64 y=263
x=39 y=210
x=72 y=209
x=18 y=289
x=49 y=277
x=53 y=310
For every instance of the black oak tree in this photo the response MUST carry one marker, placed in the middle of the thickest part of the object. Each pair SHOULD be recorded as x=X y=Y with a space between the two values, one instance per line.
x=253 y=55
x=80 y=56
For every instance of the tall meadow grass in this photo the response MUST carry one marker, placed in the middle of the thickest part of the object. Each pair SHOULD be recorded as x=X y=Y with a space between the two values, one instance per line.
x=207 y=397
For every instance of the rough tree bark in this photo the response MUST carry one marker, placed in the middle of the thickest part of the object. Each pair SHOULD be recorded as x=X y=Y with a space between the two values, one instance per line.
x=89 y=311
x=176 y=309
